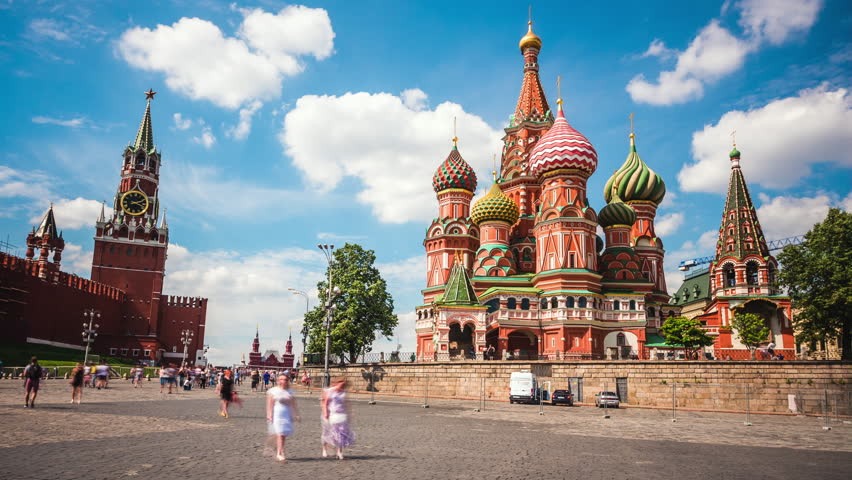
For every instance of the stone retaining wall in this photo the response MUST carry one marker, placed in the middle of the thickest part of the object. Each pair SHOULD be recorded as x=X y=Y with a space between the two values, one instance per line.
x=718 y=386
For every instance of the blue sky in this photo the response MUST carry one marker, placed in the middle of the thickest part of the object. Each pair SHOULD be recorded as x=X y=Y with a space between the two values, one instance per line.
x=287 y=125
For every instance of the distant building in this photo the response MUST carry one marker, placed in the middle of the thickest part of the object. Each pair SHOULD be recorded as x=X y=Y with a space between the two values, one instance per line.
x=270 y=358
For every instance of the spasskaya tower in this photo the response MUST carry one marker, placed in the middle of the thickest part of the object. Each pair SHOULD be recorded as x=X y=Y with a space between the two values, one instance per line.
x=131 y=238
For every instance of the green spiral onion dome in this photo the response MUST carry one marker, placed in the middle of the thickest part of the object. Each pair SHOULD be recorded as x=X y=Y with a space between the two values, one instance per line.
x=616 y=212
x=494 y=206
x=454 y=172
x=635 y=180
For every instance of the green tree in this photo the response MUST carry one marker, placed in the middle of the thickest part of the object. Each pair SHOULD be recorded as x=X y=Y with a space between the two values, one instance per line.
x=681 y=331
x=363 y=308
x=751 y=330
x=818 y=277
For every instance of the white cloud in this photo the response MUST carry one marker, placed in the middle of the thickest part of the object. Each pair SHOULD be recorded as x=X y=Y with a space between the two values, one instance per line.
x=23 y=184
x=338 y=237
x=73 y=122
x=206 y=139
x=391 y=148
x=71 y=214
x=707 y=241
x=716 y=52
x=410 y=272
x=778 y=141
x=182 y=123
x=243 y=128
x=47 y=28
x=846 y=203
x=776 y=20
x=786 y=216
x=668 y=224
x=200 y=62
x=76 y=260
x=414 y=98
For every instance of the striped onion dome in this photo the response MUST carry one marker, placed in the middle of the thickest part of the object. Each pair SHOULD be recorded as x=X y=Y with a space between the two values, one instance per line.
x=635 y=180
x=454 y=172
x=616 y=212
x=495 y=206
x=563 y=147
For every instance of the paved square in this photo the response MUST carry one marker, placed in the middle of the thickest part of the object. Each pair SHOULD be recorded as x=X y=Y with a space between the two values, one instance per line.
x=125 y=432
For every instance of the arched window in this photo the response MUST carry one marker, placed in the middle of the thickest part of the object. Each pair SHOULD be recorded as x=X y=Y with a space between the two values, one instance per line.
x=621 y=340
x=770 y=270
x=569 y=302
x=512 y=303
x=544 y=304
x=632 y=304
x=730 y=276
x=651 y=312
x=525 y=304
x=616 y=305
x=493 y=305
x=751 y=273
x=582 y=303
x=554 y=302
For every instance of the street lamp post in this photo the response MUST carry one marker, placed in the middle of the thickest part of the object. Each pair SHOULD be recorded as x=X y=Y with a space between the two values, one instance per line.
x=304 y=324
x=90 y=330
x=185 y=339
x=328 y=250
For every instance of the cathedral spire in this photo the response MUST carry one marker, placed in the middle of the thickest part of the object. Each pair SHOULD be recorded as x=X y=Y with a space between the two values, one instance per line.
x=145 y=134
x=102 y=216
x=532 y=104
x=740 y=233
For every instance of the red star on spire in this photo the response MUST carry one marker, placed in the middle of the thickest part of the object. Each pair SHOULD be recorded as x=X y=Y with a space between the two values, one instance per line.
x=149 y=95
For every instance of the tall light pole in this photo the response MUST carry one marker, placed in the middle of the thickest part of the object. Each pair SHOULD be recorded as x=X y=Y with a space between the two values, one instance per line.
x=185 y=339
x=304 y=324
x=328 y=250
x=90 y=330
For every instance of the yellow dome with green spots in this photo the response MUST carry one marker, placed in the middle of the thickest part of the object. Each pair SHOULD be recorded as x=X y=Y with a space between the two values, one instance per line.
x=495 y=206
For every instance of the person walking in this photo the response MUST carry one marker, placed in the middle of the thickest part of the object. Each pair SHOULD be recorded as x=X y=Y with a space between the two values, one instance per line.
x=255 y=379
x=266 y=379
x=77 y=383
x=181 y=376
x=225 y=388
x=102 y=372
x=335 y=419
x=280 y=411
x=163 y=378
x=32 y=377
x=137 y=376
x=170 y=377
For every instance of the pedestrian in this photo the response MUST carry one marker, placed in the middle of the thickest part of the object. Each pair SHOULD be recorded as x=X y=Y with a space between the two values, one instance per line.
x=181 y=375
x=102 y=372
x=87 y=377
x=93 y=372
x=32 y=377
x=77 y=383
x=137 y=376
x=170 y=377
x=265 y=379
x=335 y=419
x=202 y=378
x=280 y=412
x=225 y=389
x=163 y=378
x=490 y=352
x=255 y=379
x=771 y=349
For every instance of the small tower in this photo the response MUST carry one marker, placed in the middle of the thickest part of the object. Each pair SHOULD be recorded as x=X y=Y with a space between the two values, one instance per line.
x=494 y=214
x=255 y=357
x=46 y=238
x=454 y=183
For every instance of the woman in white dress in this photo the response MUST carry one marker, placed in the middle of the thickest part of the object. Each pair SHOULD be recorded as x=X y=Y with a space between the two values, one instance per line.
x=280 y=412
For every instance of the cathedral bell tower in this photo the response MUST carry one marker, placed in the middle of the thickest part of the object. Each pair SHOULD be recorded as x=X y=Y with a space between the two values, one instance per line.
x=130 y=238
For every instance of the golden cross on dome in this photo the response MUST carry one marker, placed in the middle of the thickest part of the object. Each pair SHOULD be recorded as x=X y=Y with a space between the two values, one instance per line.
x=455 y=137
x=631 y=122
x=529 y=15
x=558 y=89
x=734 y=137
x=149 y=95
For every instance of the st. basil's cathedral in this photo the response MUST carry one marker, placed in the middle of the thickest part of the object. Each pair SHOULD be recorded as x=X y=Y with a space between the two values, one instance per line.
x=522 y=273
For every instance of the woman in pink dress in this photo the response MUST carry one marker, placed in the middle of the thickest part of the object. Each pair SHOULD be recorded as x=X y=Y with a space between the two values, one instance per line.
x=335 y=419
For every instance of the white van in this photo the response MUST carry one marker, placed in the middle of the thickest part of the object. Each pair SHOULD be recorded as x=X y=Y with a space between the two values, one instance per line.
x=523 y=387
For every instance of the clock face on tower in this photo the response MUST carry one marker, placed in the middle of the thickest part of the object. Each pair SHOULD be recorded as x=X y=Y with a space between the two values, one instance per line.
x=134 y=202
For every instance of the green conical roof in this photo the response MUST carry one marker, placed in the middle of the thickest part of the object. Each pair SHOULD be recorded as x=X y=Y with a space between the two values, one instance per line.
x=459 y=290
x=145 y=135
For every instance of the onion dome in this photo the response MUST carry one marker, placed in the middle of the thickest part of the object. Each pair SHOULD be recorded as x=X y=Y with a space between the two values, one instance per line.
x=530 y=40
x=454 y=172
x=735 y=153
x=616 y=212
x=635 y=180
x=495 y=206
x=563 y=147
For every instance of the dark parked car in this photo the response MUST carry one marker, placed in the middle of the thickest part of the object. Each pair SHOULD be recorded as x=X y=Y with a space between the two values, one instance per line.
x=562 y=396
x=610 y=399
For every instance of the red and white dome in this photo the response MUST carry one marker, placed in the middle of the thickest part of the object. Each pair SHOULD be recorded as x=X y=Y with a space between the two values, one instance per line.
x=563 y=147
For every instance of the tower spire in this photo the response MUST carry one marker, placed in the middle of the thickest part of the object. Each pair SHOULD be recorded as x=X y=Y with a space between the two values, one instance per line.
x=455 y=135
x=740 y=233
x=102 y=217
x=145 y=134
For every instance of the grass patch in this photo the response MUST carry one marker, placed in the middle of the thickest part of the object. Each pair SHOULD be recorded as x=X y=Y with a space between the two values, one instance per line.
x=18 y=355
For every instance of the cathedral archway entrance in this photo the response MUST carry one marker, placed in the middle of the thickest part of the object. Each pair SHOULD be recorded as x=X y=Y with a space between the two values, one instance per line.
x=461 y=341
x=523 y=345
x=768 y=311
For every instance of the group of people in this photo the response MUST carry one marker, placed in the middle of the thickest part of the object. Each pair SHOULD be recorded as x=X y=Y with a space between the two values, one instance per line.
x=281 y=411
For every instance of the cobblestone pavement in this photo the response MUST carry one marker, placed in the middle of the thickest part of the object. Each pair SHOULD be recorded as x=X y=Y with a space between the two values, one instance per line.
x=125 y=432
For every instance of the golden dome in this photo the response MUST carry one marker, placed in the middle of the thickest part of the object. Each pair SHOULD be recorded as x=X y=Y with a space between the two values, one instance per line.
x=530 y=40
